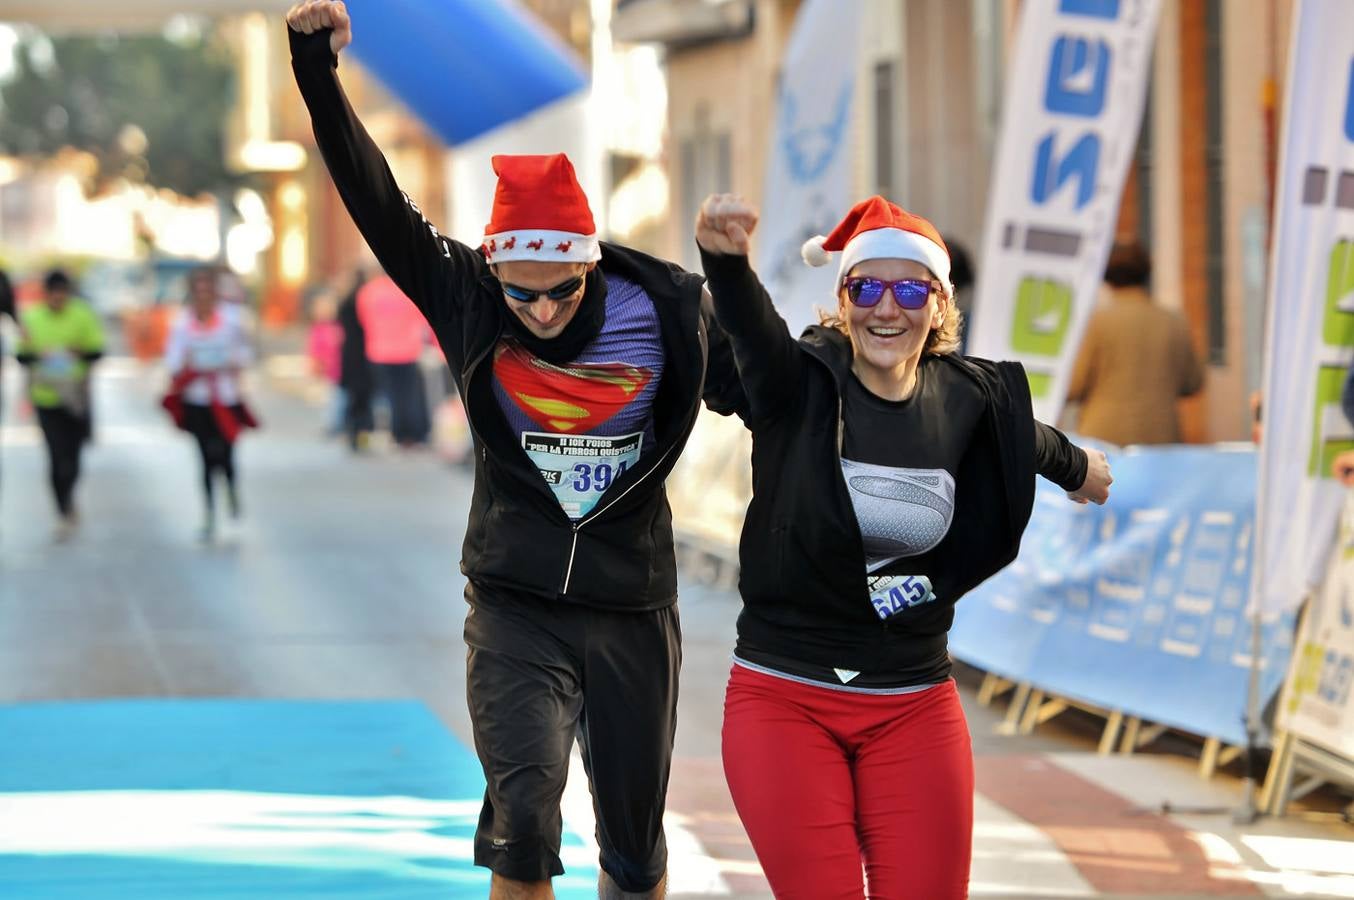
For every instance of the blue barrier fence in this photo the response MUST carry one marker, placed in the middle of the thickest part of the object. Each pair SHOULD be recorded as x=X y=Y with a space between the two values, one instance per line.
x=1139 y=605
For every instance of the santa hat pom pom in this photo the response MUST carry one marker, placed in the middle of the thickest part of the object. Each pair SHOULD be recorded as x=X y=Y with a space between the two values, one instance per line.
x=813 y=251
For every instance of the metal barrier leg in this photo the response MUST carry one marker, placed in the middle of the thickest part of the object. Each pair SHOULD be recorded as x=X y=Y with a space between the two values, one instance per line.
x=1011 y=724
x=1283 y=747
x=1031 y=716
x=1208 y=763
x=992 y=686
x=1130 y=741
x=1042 y=712
x=1284 y=786
x=1111 y=732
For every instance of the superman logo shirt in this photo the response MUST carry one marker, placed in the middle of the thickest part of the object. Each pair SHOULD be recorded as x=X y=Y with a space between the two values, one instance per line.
x=584 y=424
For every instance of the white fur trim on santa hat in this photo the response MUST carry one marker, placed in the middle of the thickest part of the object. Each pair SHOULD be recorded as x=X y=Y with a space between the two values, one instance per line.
x=813 y=252
x=540 y=245
x=895 y=243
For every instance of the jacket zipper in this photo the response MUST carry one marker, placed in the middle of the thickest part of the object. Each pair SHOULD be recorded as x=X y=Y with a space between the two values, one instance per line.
x=569 y=570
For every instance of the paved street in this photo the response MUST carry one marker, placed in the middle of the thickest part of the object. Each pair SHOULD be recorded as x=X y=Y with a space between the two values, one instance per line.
x=341 y=583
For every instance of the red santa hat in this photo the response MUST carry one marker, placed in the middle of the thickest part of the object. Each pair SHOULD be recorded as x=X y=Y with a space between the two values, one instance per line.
x=878 y=229
x=540 y=213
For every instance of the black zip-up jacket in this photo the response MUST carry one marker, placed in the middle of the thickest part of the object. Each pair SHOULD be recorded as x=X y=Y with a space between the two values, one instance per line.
x=620 y=555
x=802 y=557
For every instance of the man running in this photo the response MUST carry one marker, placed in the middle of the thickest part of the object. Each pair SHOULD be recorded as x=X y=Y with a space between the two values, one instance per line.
x=582 y=366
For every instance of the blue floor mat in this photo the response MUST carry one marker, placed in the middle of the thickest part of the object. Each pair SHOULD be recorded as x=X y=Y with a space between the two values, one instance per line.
x=151 y=799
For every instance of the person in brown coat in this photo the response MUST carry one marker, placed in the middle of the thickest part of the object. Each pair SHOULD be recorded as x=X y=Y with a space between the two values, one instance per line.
x=1136 y=359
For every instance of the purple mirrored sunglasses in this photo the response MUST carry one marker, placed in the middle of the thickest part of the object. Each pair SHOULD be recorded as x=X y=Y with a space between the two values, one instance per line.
x=908 y=293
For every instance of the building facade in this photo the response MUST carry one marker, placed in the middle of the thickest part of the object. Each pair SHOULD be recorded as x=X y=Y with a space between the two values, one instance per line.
x=927 y=117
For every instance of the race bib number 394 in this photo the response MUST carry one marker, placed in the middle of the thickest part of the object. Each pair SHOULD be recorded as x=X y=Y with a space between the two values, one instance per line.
x=579 y=468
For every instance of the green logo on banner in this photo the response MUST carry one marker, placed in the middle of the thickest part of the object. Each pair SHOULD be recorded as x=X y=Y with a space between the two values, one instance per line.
x=1337 y=330
x=1042 y=313
x=1043 y=310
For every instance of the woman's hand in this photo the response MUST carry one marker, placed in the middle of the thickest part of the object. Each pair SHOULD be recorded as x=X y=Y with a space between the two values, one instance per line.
x=1096 y=487
x=725 y=223
x=317 y=15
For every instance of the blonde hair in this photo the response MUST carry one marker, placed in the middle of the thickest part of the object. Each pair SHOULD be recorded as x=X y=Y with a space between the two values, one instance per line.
x=939 y=341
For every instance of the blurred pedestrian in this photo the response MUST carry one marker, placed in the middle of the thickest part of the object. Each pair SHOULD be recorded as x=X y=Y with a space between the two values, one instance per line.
x=324 y=346
x=1136 y=360
x=396 y=334
x=355 y=378
x=208 y=349
x=582 y=367
x=7 y=308
x=890 y=476
x=60 y=341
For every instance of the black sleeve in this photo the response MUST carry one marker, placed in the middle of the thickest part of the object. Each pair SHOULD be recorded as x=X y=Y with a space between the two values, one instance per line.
x=91 y=356
x=435 y=272
x=769 y=361
x=723 y=388
x=1057 y=458
x=7 y=297
x=26 y=359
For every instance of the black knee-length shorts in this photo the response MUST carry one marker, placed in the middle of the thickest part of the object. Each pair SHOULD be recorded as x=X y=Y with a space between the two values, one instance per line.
x=540 y=674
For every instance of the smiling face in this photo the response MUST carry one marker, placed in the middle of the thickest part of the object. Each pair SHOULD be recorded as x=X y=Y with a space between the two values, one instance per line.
x=543 y=317
x=887 y=339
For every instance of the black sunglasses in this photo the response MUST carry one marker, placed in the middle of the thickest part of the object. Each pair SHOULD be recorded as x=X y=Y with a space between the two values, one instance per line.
x=908 y=293
x=561 y=291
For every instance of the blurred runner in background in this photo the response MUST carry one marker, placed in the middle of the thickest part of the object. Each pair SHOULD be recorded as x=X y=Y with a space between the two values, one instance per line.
x=208 y=349
x=61 y=338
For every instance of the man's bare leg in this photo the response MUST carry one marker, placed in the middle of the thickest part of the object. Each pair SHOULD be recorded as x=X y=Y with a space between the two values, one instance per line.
x=609 y=890
x=506 y=889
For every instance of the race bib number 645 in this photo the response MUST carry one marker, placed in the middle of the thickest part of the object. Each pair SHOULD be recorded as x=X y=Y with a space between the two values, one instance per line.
x=891 y=594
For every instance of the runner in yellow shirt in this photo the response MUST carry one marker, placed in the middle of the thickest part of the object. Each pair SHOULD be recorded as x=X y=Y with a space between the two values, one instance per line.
x=61 y=339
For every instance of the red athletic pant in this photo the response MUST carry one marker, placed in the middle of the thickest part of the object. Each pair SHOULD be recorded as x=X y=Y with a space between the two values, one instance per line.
x=826 y=780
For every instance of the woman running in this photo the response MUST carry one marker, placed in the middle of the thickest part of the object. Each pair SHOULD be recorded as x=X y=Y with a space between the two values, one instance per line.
x=890 y=476
x=208 y=347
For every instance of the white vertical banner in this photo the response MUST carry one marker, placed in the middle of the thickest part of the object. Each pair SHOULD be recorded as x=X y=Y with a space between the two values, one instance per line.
x=1318 y=698
x=1074 y=99
x=1310 y=327
x=808 y=174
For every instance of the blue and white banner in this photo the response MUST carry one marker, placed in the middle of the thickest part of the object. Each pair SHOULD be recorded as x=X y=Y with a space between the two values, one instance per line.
x=1074 y=101
x=1139 y=605
x=1310 y=332
x=808 y=175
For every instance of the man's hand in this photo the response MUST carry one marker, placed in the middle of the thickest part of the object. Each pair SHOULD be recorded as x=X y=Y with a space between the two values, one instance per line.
x=1096 y=487
x=317 y=15
x=724 y=224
